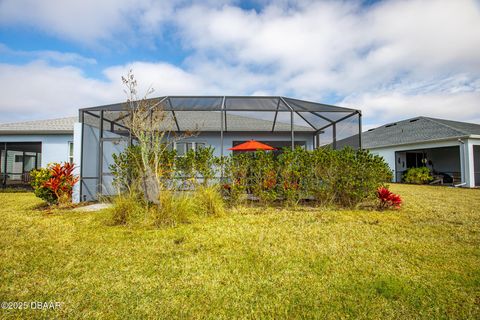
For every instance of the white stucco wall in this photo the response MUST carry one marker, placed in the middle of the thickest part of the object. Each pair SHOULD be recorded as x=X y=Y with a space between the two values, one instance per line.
x=54 y=147
x=470 y=160
x=77 y=147
x=213 y=139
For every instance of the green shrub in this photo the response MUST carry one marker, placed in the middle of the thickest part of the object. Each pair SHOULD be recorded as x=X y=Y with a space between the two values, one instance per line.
x=194 y=164
x=264 y=177
x=294 y=167
x=209 y=200
x=324 y=163
x=237 y=169
x=420 y=175
x=185 y=166
x=206 y=164
x=39 y=179
x=127 y=168
x=360 y=174
x=343 y=177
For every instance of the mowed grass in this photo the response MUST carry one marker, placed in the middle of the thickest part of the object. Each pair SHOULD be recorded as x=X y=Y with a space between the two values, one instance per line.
x=420 y=262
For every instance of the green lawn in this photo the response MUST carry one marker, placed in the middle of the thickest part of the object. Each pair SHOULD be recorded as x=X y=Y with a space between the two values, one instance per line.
x=420 y=262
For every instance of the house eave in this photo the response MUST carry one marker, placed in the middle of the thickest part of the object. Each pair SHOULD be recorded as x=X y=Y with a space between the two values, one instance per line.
x=35 y=132
x=421 y=142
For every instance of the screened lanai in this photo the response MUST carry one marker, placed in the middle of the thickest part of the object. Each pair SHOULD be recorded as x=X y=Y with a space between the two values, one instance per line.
x=217 y=121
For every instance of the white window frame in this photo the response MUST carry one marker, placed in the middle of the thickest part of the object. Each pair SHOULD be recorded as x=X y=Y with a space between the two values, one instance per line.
x=70 y=152
x=194 y=145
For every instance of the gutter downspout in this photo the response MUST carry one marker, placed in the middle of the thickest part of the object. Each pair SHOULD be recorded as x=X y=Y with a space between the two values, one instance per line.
x=463 y=164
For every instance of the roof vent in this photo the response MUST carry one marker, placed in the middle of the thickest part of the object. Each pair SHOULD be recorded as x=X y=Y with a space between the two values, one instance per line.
x=390 y=125
x=413 y=120
x=370 y=129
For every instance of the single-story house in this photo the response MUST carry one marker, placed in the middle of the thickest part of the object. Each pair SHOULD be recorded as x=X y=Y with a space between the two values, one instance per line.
x=451 y=149
x=218 y=121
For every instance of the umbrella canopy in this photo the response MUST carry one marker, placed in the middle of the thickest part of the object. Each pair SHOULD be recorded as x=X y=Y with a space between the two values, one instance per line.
x=252 y=145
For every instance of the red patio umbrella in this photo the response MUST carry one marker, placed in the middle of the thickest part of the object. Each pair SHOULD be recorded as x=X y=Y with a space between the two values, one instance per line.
x=252 y=145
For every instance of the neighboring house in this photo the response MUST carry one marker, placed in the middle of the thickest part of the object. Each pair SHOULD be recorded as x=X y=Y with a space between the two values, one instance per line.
x=33 y=144
x=451 y=149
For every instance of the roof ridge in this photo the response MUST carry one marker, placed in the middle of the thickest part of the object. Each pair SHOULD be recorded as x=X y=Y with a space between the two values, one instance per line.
x=446 y=125
x=30 y=121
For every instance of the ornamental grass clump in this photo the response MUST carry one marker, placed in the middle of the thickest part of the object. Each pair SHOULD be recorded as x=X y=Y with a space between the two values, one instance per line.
x=209 y=201
x=175 y=208
x=127 y=210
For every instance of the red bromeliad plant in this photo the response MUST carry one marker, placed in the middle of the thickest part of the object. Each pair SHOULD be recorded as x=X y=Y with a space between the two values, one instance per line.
x=61 y=180
x=388 y=199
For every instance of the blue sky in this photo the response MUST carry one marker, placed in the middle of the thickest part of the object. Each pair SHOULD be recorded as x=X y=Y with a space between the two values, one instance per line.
x=392 y=59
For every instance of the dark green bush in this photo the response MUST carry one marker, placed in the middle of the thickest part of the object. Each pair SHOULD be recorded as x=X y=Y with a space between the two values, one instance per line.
x=237 y=171
x=344 y=177
x=294 y=174
x=323 y=173
x=206 y=164
x=359 y=175
x=126 y=169
x=341 y=177
x=264 y=177
x=420 y=175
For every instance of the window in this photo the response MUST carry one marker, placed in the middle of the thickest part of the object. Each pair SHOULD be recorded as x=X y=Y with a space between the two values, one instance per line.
x=184 y=147
x=70 y=152
x=199 y=145
x=180 y=147
x=18 y=158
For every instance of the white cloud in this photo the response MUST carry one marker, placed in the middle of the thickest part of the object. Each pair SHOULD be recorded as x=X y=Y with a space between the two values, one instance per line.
x=393 y=59
x=89 y=22
x=379 y=58
x=47 y=55
x=39 y=90
x=164 y=78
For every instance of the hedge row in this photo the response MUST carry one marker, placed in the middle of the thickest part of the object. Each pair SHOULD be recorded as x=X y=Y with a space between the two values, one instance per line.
x=343 y=177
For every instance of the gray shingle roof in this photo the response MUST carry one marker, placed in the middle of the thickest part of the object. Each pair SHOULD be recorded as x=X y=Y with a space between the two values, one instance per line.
x=187 y=121
x=211 y=121
x=50 y=126
x=416 y=130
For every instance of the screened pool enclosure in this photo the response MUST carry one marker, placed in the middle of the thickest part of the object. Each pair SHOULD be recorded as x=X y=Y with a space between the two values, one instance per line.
x=217 y=121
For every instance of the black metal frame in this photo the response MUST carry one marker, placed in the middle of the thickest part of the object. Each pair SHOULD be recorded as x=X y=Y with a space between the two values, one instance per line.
x=4 y=175
x=293 y=106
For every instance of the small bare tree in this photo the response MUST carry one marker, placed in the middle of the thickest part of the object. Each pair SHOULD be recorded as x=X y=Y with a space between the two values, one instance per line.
x=152 y=129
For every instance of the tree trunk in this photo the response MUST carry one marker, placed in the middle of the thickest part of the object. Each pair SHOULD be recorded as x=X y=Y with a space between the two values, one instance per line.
x=151 y=190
